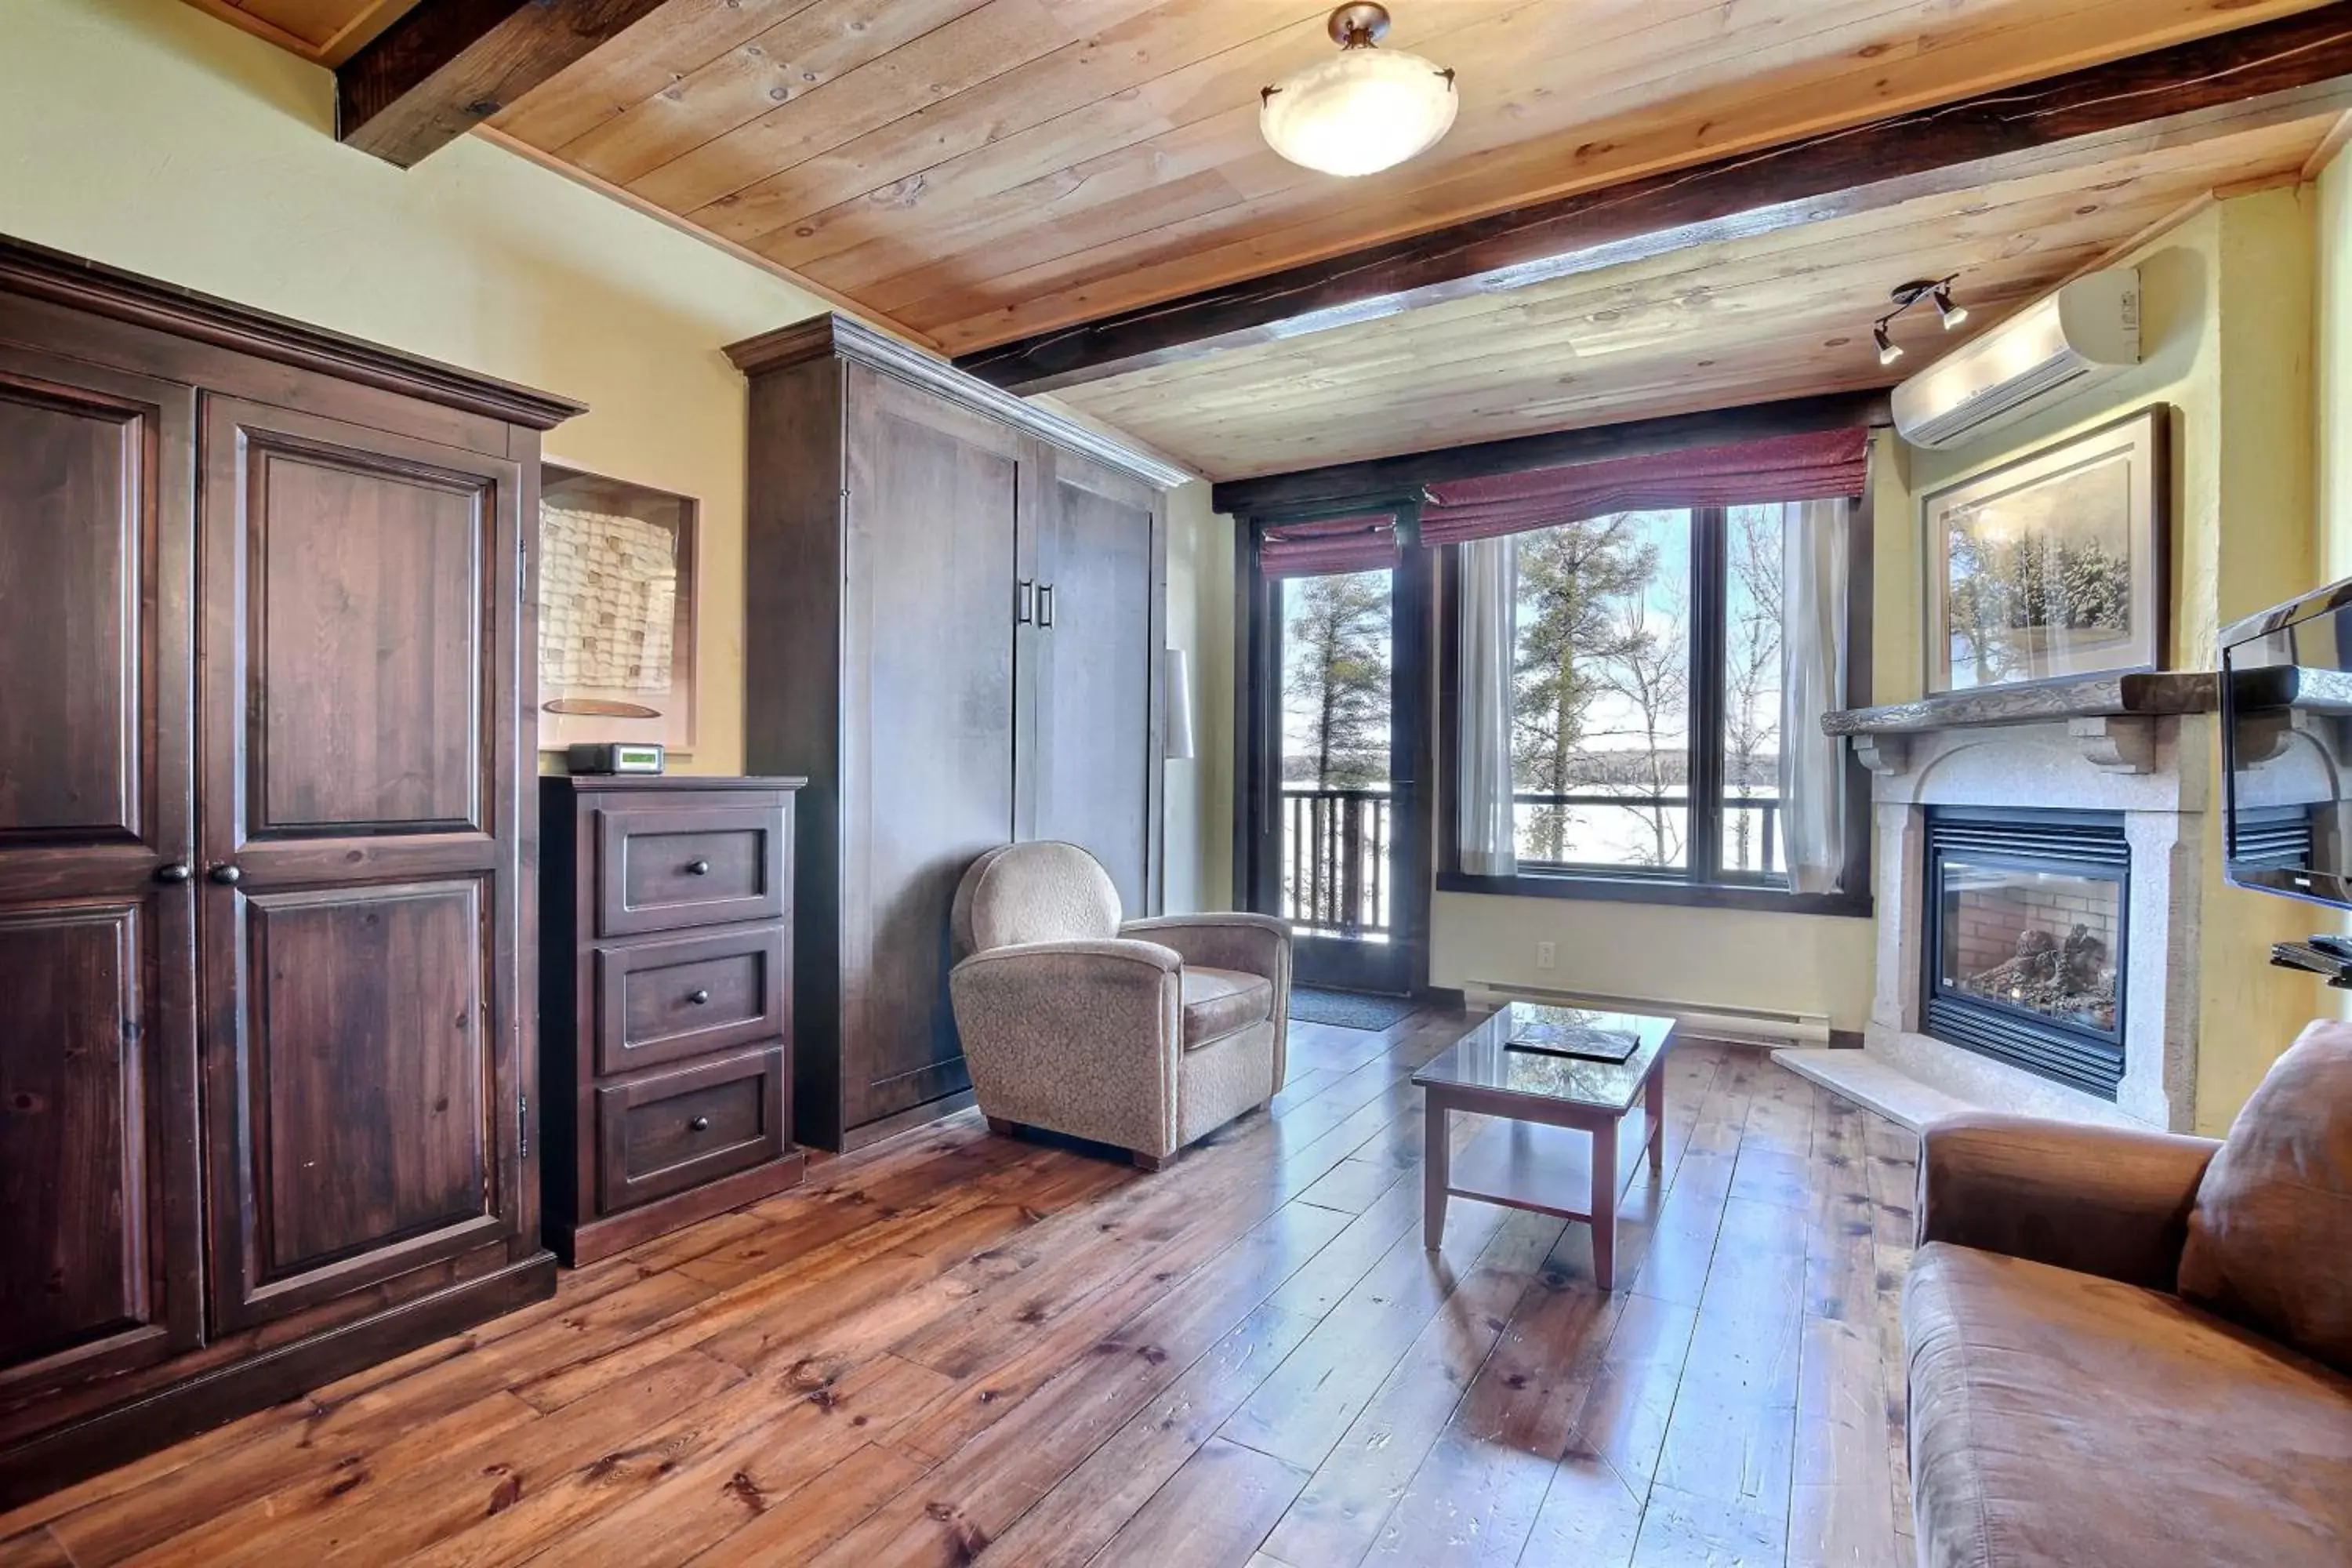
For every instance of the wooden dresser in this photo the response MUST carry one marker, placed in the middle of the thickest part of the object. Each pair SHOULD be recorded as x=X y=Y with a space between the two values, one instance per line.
x=666 y=1010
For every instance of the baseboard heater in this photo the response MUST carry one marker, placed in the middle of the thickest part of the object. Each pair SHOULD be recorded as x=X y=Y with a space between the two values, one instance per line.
x=1752 y=1026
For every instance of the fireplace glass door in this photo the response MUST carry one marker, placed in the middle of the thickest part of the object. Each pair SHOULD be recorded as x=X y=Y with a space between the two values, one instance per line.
x=2026 y=952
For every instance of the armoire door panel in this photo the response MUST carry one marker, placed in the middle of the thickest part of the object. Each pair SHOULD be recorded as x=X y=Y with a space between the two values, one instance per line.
x=933 y=508
x=95 y=1129
x=367 y=1078
x=366 y=636
x=1095 y=685
x=93 y=493
x=101 y=1248
x=359 y=877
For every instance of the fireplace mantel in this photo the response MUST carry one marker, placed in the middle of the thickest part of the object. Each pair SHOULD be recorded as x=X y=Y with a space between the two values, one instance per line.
x=2111 y=719
x=2139 y=746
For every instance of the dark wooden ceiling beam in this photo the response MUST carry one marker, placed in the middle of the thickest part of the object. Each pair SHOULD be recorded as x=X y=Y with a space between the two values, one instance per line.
x=449 y=65
x=1376 y=480
x=2296 y=68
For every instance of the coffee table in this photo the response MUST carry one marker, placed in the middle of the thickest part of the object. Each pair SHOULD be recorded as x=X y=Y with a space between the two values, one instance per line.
x=1528 y=1166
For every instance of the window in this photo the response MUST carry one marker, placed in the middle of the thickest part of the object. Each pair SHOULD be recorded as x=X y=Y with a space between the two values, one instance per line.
x=1646 y=712
x=1337 y=820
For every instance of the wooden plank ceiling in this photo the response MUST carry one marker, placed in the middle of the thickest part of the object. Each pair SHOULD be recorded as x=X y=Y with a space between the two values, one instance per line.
x=977 y=172
x=981 y=170
x=1781 y=315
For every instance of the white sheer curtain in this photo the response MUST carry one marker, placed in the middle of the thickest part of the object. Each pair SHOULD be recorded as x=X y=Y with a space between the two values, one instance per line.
x=1812 y=683
x=1486 y=824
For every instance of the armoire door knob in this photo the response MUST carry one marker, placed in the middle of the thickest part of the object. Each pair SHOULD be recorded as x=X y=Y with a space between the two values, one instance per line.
x=697 y=997
x=699 y=1124
x=225 y=874
x=176 y=873
x=698 y=868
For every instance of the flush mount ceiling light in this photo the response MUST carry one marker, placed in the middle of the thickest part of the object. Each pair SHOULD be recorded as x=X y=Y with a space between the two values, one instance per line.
x=1369 y=110
x=1936 y=291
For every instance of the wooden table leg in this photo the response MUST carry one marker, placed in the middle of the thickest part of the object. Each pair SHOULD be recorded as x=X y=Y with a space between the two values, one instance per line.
x=1604 y=1205
x=1436 y=1166
x=1653 y=1106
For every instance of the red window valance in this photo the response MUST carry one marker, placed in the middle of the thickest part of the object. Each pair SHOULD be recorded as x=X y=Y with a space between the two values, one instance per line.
x=1364 y=543
x=1816 y=466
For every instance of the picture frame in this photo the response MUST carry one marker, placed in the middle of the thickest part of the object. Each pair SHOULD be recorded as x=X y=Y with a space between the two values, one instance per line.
x=617 y=596
x=2055 y=563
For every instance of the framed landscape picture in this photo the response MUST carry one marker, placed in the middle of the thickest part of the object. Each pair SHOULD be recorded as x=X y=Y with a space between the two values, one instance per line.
x=616 y=600
x=2053 y=564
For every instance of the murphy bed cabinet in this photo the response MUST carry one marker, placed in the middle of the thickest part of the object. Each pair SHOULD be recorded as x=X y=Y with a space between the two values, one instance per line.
x=957 y=605
x=266 y=812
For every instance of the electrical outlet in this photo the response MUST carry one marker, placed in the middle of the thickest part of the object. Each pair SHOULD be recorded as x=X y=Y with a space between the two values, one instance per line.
x=1546 y=956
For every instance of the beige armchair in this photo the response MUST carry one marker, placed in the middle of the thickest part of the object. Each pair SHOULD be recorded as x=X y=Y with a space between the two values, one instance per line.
x=1144 y=1035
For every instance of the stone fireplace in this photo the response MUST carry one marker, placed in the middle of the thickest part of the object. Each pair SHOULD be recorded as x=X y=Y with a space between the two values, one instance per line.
x=2037 y=876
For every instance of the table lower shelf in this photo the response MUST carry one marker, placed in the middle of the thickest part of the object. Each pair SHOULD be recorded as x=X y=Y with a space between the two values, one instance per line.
x=1528 y=1165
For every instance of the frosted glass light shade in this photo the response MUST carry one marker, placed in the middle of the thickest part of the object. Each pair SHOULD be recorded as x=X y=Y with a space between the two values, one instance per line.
x=1176 y=671
x=1363 y=110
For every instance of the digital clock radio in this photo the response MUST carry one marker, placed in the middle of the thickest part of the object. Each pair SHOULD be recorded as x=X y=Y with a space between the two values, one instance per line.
x=613 y=757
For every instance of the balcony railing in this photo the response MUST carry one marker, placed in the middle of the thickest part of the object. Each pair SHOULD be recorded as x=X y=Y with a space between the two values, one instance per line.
x=1335 y=860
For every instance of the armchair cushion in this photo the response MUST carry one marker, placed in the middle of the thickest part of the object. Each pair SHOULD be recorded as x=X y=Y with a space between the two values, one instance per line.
x=1219 y=1001
x=2270 y=1239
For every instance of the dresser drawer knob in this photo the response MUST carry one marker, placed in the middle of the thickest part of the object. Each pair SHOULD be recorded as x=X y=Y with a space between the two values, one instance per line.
x=699 y=1124
x=699 y=996
x=698 y=868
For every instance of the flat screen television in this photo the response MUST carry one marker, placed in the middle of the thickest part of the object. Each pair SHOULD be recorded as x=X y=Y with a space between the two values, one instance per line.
x=2286 y=738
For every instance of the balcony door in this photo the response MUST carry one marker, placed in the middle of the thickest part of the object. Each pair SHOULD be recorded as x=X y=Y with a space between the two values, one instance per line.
x=1335 y=838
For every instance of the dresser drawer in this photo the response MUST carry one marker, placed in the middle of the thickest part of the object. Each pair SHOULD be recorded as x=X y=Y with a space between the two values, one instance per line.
x=666 y=869
x=663 y=1134
x=667 y=999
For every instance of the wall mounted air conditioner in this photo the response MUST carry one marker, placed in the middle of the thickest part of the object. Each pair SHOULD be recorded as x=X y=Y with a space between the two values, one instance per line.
x=2084 y=334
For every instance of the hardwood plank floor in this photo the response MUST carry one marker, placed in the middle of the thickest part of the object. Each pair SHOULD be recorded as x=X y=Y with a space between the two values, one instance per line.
x=958 y=1348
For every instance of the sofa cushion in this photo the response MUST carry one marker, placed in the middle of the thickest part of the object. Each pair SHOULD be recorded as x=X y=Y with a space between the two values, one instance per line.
x=2270 y=1239
x=1219 y=1001
x=2058 y=1417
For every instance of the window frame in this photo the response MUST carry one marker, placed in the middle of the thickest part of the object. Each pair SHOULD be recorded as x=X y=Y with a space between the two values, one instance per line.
x=1700 y=882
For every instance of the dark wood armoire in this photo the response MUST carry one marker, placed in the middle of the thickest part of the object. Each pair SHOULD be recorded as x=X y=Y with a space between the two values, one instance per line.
x=957 y=608
x=266 y=823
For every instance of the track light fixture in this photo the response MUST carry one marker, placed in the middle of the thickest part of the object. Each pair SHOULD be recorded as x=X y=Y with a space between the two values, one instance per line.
x=1938 y=291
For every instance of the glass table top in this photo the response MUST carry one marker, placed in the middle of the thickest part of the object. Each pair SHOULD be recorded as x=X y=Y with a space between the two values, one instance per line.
x=1485 y=1058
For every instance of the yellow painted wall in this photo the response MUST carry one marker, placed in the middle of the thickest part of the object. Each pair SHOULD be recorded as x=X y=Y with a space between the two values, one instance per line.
x=2228 y=304
x=149 y=136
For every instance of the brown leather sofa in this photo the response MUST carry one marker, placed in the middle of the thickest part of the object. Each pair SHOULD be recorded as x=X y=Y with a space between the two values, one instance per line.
x=2129 y=1348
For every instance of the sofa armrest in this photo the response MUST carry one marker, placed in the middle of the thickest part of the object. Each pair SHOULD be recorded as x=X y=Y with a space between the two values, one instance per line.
x=2098 y=1200
x=1081 y=1037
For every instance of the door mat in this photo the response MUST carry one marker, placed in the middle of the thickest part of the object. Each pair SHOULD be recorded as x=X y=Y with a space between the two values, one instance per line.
x=1347 y=1010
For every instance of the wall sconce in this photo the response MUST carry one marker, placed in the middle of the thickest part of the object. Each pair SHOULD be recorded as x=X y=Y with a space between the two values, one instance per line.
x=1176 y=698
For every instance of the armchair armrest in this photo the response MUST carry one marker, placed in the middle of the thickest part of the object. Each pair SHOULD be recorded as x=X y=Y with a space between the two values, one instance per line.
x=1077 y=1037
x=2098 y=1200
x=1254 y=944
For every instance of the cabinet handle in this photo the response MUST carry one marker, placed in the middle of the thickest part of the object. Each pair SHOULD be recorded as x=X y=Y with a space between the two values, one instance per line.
x=699 y=996
x=699 y=1124
x=1045 y=604
x=698 y=868
x=173 y=874
x=225 y=874
x=1024 y=598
